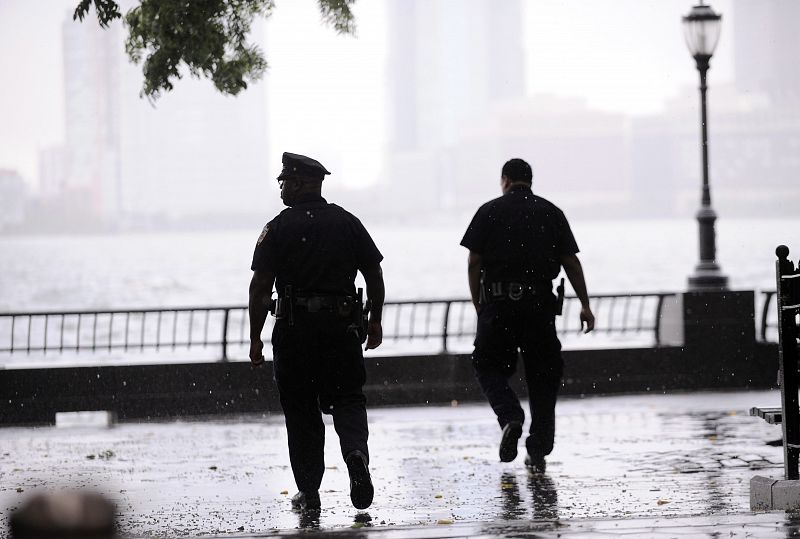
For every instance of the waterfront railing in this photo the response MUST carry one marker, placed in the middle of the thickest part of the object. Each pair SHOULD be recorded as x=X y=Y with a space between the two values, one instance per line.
x=441 y=324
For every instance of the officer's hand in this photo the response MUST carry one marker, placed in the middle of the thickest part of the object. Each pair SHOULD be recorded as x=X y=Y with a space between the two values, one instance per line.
x=256 y=352
x=374 y=335
x=588 y=318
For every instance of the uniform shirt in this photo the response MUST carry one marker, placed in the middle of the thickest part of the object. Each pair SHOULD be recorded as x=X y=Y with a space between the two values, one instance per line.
x=520 y=237
x=316 y=247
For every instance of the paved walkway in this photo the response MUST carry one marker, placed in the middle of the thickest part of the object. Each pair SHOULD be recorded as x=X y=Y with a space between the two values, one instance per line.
x=676 y=465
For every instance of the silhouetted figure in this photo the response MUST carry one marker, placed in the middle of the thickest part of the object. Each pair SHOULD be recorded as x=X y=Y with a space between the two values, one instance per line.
x=517 y=245
x=64 y=515
x=311 y=252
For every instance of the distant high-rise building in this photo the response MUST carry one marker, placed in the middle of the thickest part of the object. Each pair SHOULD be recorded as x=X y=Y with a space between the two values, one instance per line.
x=193 y=153
x=448 y=61
x=766 y=43
x=754 y=162
x=92 y=59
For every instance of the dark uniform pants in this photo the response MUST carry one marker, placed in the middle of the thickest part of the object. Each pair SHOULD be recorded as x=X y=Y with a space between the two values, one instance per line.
x=505 y=329
x=319 y=367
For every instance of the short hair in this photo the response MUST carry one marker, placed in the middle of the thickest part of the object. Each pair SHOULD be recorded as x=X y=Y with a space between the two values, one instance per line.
x=517 y=170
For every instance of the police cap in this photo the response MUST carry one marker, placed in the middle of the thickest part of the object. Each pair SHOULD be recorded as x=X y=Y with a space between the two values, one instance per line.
x=299 y=165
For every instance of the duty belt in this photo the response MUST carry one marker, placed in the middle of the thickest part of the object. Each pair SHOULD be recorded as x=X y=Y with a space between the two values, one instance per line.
x=348 y=307
x=499 y=291
x=284 y=306
x=315 y=304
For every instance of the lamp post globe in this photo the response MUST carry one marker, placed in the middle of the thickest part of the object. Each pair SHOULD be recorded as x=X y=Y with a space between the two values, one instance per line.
x=701 y=29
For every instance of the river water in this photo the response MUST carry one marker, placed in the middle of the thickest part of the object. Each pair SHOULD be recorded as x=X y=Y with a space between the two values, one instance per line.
x=421 y=261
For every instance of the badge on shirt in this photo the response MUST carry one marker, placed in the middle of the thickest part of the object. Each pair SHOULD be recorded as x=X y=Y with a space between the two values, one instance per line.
x=263 y=234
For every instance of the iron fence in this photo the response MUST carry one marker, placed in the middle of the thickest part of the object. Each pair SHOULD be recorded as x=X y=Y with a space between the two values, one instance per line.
x=136 y=330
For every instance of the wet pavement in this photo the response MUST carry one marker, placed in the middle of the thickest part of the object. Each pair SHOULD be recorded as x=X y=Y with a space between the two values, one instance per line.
x=648 y=465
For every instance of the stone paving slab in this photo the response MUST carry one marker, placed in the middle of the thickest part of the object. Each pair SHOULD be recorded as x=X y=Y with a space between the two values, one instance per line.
x=623 y=460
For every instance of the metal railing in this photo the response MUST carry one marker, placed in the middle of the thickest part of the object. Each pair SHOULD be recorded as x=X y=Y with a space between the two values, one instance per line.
x=136 y=330
x=120 y=329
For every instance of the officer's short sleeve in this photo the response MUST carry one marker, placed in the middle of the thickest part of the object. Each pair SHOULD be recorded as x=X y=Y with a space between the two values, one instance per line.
x=266 y=255
x=565 y=241
x=477 y=232
x=367 y=253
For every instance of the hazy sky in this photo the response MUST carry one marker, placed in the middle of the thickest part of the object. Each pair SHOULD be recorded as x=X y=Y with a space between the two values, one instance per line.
x=326 y=93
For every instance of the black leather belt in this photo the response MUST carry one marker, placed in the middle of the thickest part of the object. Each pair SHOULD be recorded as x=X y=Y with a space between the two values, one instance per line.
x=499 y=291
x=315 y=304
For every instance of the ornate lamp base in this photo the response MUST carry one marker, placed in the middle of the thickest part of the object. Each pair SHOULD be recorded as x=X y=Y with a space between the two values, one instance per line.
x=707 y=277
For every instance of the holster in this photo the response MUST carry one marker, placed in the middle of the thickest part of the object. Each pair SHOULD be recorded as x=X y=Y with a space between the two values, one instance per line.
x=283 y=306
x=482 y=299
x=359 y=323
x=560 y=297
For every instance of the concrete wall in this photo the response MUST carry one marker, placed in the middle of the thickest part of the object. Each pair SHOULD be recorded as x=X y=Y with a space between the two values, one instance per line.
x=33 y=396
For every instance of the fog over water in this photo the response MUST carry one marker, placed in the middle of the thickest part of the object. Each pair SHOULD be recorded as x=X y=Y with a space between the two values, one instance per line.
x=422 y=261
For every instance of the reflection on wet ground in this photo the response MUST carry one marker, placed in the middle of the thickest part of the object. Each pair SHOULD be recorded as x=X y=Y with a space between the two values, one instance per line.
x=631 y=457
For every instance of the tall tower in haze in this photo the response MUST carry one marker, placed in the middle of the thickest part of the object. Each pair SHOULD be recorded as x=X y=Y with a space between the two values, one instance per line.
x=92 y=60
x=448 y=61
x=192 y=154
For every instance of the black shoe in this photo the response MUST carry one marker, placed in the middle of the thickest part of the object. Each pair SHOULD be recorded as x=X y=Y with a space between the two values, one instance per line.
x=306 y=501
x=508 y=443
x=536 y=464
x=361 y=489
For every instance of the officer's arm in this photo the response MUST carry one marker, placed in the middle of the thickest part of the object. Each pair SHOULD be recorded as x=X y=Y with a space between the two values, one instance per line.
x=376 y=293
x=260 y=289
x=474 y=274
x=574 y=271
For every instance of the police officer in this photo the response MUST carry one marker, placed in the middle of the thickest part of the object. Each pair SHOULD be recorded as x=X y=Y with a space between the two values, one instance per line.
x=517 y=245
x=311 y=251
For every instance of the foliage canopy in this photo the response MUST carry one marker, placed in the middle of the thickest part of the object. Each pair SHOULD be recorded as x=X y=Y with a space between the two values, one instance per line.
x=209 y=37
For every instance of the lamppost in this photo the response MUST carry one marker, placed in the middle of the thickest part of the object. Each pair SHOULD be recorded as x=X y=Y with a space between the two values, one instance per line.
x=701 y=28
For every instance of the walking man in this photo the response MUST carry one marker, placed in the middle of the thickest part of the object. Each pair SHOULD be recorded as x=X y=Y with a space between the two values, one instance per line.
x=311 y=251
x=517 y=245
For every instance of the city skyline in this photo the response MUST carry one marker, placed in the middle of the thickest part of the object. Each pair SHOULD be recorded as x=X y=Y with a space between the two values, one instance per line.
x=460 y=93
x=352 y=75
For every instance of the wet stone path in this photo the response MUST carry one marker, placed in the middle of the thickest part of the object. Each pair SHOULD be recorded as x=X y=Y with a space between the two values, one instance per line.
x=627 y=457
